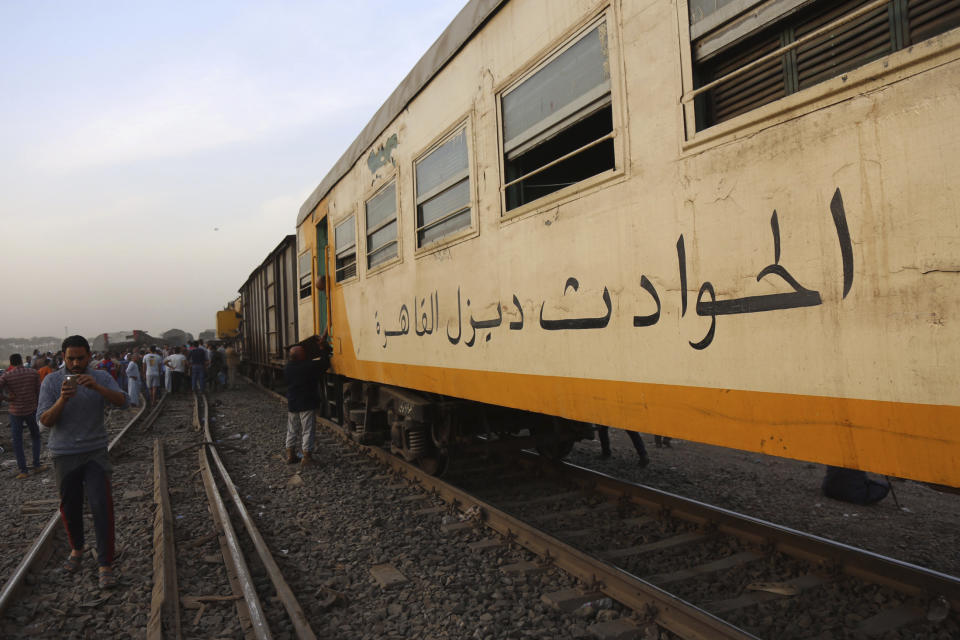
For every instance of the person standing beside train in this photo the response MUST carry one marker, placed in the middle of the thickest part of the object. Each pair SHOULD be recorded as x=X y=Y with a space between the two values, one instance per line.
x=303 y=380
x=603 y=433
x=72 y=403
x=233 y=362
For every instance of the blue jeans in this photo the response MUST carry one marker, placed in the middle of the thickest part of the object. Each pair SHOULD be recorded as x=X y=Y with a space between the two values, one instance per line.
x=16 y=432
x=198 y=372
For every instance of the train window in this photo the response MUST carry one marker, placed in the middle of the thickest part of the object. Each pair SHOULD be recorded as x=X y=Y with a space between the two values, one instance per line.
x=345 y=243
x=443 y=190
x=381 y=224
x=304 y=268
x=558 y=121
x=748 y=54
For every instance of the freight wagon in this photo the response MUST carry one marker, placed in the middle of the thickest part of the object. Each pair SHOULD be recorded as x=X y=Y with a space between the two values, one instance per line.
x=268 y=300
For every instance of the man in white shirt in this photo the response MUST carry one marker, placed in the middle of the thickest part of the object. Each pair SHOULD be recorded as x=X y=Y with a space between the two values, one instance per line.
x=177 y=362
x=151 y=367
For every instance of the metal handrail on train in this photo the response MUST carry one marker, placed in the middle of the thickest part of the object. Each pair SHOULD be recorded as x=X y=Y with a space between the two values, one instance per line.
x=813 y=35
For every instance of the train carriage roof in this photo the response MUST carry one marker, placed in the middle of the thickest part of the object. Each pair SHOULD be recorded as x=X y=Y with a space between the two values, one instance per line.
x=288 y=240
x=470 y=19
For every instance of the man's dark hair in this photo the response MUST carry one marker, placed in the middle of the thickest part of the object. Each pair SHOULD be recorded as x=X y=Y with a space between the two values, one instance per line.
x=75 y=341
x=16 y=359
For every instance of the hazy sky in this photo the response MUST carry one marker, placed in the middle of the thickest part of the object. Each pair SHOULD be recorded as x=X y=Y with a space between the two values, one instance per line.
x=152 y=154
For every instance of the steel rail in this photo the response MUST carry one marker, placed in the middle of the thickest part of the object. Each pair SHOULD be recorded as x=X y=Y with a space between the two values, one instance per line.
x=671 y=612
x=859 y=563
x=150 y=418
x=297 y=616
x=234 y=556
x=164 y=602
x=46 y=535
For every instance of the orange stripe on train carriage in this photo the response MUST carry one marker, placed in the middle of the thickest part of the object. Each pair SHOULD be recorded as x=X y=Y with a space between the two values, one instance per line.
x=913 y=440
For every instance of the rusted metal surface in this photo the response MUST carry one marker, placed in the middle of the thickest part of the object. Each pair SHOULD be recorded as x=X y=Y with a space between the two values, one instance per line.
x=269 y=301
x=672 y=613
x=902 y=576
x=297 y=617
x=234 y=556
x=45 y=538
x=164 y=620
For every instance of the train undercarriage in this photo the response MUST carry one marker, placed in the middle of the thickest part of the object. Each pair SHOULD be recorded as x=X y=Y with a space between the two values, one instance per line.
x=431 y=430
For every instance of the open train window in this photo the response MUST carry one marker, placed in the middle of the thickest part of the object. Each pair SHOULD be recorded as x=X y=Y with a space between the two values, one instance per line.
x=345 y=244
x=443 y=190
x=748 y=53
x=381 y=226
x=305 y=272
x=558 y=121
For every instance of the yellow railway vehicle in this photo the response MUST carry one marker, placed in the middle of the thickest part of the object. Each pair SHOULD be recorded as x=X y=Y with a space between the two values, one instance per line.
x=228 y=320
x=735 y=222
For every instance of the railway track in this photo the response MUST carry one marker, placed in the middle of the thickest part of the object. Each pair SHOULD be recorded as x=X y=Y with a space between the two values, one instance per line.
x=677 y=568
x=172 y=581
x=41 y=548
x=687 y=568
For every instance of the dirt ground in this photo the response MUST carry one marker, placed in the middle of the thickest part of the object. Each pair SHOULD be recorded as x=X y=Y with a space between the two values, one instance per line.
x=923 y=529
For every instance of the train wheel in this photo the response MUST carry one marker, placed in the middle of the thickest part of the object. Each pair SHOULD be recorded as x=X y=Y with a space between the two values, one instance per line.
x=554 y=438
x=555 y=449
x=436 y=465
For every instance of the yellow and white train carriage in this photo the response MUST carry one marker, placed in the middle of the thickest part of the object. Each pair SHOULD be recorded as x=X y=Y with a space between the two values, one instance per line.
x=731 y=222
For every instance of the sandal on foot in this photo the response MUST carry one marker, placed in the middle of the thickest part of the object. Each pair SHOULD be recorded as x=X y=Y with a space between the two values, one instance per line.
x=107 y=579
x=72 y=563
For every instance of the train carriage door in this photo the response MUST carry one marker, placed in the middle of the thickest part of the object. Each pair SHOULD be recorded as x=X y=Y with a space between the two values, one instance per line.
x=321 y=277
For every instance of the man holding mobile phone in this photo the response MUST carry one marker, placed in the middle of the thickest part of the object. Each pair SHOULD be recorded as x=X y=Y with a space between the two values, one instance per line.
x=72 y=402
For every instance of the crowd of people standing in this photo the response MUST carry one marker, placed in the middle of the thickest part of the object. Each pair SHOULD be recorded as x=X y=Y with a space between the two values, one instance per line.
x=194 y=366
x=176 y=369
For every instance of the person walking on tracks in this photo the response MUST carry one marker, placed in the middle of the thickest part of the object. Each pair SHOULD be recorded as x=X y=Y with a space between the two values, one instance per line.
x=197 y=356
x=151 y=367
x=24 y=386
x=302 y=377
x=133 y=379
x=72 y=402
x=177 y=364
